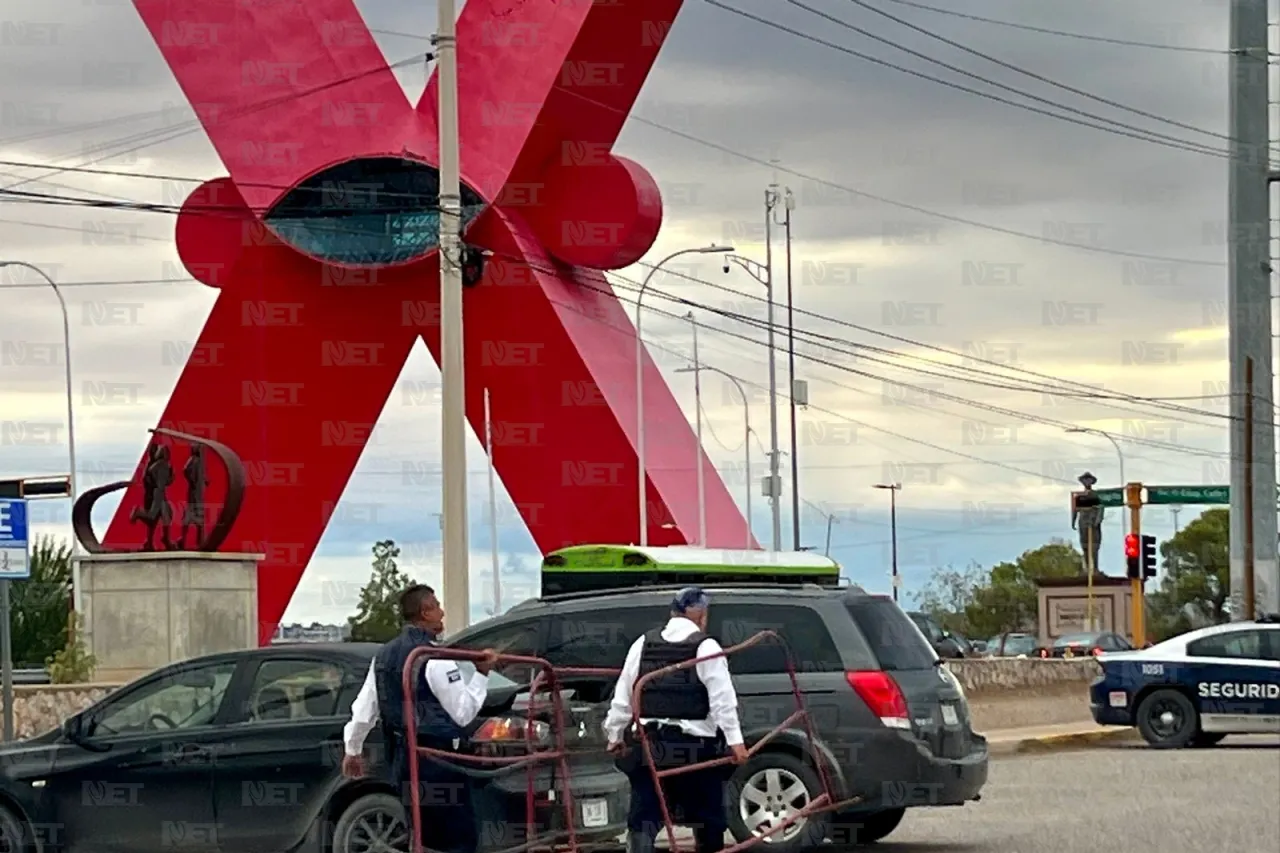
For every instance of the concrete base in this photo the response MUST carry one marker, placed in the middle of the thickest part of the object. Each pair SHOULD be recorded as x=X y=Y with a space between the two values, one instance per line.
x=143 y=611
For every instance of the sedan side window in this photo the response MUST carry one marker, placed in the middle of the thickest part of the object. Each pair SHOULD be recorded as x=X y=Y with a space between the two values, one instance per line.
x=294 y=689
x=1232 y=644
x=182 y=699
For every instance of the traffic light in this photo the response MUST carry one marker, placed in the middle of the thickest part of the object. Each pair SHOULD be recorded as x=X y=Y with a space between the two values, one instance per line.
x=1148 y=556
x=36 y=487
x=1133 y=555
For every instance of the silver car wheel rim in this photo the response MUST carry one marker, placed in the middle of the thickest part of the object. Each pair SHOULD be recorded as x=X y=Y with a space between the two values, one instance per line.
x=768 y=799
x=378 y=832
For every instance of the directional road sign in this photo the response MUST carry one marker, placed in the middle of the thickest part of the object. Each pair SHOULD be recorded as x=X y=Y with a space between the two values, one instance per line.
x=15 y=545
x=1110 y=497
x=1188 y=495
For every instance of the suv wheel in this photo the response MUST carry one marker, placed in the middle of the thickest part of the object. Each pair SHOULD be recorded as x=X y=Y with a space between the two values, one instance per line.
x=770 y=788
x=372 y=824
x=864 y=828
x=1168 y=720
x=13 y=836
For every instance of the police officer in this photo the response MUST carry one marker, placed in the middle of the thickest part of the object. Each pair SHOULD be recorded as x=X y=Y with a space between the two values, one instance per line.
x=447 y=704
x=689 y=716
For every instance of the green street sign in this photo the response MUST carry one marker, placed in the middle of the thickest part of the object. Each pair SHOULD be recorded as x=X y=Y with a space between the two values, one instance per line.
x=1188 y=495
x=1110 y=497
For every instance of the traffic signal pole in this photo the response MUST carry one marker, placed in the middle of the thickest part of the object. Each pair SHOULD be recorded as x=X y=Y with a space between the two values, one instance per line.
x=1133 y=500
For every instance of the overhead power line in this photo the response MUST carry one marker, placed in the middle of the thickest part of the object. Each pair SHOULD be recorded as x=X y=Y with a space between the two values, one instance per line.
x=1108 y=126
x=1061 y=33
x=1027 y=73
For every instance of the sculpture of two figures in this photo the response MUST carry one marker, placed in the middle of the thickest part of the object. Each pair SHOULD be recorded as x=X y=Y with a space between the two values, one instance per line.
x=1086 y=517
x=156 y=513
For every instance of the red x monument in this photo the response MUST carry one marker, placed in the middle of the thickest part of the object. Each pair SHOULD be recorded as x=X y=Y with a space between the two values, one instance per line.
x=322 y=245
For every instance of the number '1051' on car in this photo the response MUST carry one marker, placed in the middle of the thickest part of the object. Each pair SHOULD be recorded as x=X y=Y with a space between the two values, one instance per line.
x=1197 y=688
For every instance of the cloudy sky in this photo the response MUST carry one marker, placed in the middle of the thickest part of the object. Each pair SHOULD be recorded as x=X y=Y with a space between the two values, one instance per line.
x=893 y=178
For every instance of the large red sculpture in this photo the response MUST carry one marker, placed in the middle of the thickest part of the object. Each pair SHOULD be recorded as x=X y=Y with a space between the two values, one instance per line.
x=306 y=341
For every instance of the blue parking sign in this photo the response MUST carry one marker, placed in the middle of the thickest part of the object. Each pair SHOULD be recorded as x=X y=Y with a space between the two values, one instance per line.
x=15 y=545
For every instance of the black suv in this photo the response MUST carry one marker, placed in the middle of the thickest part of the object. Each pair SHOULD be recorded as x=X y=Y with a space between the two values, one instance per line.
x=892 y=723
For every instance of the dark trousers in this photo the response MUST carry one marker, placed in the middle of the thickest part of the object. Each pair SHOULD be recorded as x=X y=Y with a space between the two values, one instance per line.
x=695 y=799
x=444 y=797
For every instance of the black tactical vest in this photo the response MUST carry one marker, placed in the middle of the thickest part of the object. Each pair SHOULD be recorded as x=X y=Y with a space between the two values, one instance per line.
x=435 y=726
x=679 y=695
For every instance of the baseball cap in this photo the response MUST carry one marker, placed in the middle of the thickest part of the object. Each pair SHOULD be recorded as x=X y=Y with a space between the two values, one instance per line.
x=690 y=598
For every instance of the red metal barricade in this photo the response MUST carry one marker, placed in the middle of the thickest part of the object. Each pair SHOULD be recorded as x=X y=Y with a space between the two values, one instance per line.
x=824 y=802
x=549 y=676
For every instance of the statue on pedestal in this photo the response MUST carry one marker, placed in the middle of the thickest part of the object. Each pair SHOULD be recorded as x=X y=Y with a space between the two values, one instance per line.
x=1086 y=517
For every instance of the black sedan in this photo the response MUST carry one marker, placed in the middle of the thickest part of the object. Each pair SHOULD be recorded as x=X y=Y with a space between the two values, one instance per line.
x=242 y=753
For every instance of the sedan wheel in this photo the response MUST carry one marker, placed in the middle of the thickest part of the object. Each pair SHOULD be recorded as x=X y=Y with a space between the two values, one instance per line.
x=372 y=824
x=1167 y=719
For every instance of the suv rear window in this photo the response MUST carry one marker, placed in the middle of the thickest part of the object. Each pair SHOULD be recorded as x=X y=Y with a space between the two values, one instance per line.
x=893 y=638
x=806 y=634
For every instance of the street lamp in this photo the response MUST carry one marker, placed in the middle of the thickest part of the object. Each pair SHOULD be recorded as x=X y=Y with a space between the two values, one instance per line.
x=763 y=273
x=746 y=434
x=1119 y=456
x=640 y=461
x=893 y=489
x=77 y=603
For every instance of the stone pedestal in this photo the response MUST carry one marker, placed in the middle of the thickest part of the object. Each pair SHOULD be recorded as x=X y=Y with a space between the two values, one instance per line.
x=143 y=611
x=1064 y=605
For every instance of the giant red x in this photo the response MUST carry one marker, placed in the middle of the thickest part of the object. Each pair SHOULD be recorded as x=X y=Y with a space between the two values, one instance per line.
x=299 y=356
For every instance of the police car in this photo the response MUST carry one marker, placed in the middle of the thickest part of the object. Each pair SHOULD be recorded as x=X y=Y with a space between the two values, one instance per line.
x=1197 y=688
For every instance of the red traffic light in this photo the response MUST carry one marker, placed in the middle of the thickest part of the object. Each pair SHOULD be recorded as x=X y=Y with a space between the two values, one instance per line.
x=1131 y=547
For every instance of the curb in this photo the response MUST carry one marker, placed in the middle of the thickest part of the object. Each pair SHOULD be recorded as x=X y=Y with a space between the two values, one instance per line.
x=1056 y=743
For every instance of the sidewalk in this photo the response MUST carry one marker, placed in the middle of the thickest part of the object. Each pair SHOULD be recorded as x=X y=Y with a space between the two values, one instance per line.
x=1045 y=738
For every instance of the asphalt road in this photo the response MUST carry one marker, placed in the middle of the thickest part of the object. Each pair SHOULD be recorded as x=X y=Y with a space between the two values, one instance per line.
x=1126 y=799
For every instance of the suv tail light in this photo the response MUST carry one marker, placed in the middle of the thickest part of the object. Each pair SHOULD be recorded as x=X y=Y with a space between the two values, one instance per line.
x=883 y=696
x=512 y=730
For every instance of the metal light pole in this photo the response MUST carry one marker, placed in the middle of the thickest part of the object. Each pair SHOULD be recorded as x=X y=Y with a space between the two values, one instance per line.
x=763 y=273
x=893 y=489
x=789 y=203
x=493 y=507
x=77 y=601
x=457 y=573
x=641 y=475
x=701 y=474
x=1249 y=308
x=746 y=432
x=1119 y=457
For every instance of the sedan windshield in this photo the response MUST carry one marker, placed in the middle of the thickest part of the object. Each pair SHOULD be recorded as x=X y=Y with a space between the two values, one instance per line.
x=1076 y=640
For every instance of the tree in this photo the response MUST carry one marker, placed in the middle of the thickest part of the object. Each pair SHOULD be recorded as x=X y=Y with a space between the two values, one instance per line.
x=72 y=664
x=949 y=594
x=1009 y=601
x=377 y=618
x=41 y=606
x=1196 y=587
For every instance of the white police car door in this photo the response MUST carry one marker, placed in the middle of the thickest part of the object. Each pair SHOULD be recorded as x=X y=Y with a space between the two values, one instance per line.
x=1237 y=680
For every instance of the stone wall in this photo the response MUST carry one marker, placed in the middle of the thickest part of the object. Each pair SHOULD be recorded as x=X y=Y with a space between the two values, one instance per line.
x=1005 y=693
x=39 y=708
x=1022 y=676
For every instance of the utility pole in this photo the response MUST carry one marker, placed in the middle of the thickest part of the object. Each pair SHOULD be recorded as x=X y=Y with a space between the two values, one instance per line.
x=789 y=203
x=697 y=404
x=893 y=489
x=493 y=507
x=453 y=408
x=1253 y=452
x=774 y=491
x=1250 y=581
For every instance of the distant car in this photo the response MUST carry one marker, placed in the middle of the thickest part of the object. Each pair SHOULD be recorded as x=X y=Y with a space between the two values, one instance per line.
x=945 y=644
x=1194 y=689
x=1012 y=646
x=242 y=752
x=1091 y=643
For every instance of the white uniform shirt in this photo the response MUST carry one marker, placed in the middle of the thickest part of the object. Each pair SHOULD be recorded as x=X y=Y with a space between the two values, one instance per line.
x=714 y=675
x=461 y=698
